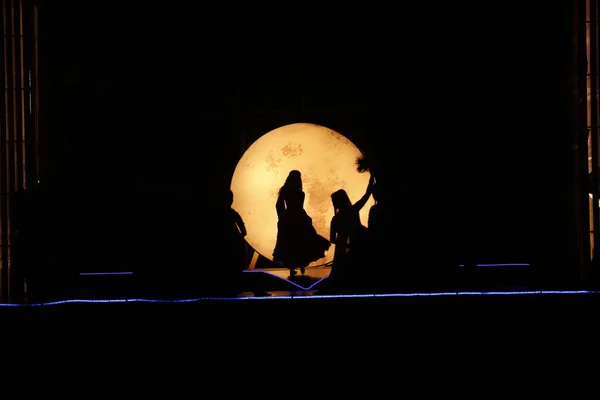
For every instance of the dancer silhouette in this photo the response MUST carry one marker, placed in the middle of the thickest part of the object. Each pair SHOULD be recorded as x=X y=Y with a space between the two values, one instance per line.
x=298 y=243
x=346 y=230
x=235 y=232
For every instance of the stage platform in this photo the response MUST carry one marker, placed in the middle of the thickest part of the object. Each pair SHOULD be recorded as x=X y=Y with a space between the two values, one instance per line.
x=295 y=336
x=268 y=288
x=277 y=282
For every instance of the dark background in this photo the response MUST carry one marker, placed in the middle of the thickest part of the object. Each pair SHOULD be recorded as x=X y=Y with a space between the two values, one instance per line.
x=145 y=109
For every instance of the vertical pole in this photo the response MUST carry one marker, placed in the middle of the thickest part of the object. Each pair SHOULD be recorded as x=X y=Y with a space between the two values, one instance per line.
x=593 y=71
x=254 y=260
x=11 y=64
x=35 y=167
x=3 y=154
x=19 y=95
x=30 y=172
x=581 y=141
x=10 y=135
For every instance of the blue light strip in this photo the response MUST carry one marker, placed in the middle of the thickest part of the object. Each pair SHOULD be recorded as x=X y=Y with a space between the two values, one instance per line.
x=317 y=282
x=256 y=271
x=287 y=280
x=500 y=265
x=503 y=265
x=347 y=296
x=104 y=273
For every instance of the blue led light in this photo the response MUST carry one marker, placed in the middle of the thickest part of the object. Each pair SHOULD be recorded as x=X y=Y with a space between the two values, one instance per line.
x=287 y=280
x=304 y=295
x=317 y=282
x=277 y=276
x=104 y=273
x=500 y=265
x=503 y=265
x=317 y=296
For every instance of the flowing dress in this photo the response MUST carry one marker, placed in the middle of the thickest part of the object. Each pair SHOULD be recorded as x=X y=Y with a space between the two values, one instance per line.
x=298 y=243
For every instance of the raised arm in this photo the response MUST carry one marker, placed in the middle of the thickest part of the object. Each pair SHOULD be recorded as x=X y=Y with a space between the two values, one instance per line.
x=363 y=200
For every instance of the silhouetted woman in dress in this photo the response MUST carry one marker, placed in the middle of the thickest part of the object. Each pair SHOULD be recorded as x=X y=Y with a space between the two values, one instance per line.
x=298 y=243
x=346 y=230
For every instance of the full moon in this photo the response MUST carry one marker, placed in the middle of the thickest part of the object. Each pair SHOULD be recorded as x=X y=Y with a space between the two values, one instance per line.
x=327 y=162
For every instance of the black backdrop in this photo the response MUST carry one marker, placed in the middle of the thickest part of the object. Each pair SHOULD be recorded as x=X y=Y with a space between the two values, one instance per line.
x=145 y=109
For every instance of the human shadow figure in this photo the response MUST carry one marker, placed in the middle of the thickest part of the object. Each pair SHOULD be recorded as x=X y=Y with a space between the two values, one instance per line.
x=235 y=248
x=383 y=238
x=348 y=234
x=298 y=243
x=403 y=255
x=396 y=244
x=231 y=231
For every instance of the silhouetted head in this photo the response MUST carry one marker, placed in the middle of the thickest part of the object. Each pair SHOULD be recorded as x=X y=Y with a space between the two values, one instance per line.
x=340 y=200
x=223 y=197
x=293 y=181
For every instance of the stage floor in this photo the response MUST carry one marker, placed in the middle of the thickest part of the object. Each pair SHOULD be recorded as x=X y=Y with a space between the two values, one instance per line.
x=266 y=282
x=282 y=284
x=310 y=272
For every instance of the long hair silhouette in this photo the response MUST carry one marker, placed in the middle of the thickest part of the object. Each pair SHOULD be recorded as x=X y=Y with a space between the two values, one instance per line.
x=298 y=243
x=293 y=181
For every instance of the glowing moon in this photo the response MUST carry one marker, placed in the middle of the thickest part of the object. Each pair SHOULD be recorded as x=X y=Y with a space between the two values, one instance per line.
x=327 y=161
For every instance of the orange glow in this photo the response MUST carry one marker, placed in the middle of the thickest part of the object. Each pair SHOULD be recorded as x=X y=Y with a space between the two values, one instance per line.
x=327 y=161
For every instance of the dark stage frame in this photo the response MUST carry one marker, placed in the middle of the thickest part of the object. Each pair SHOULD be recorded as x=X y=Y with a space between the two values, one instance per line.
x=20 y=131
